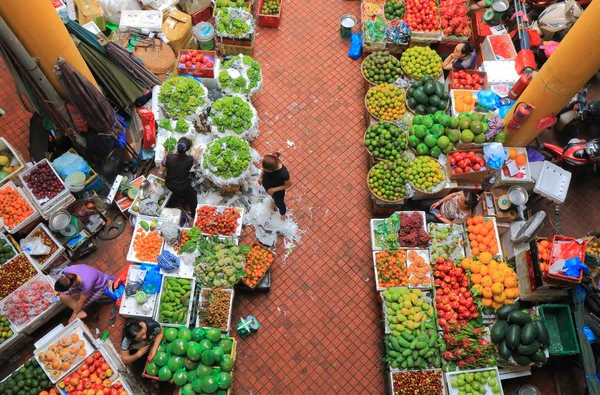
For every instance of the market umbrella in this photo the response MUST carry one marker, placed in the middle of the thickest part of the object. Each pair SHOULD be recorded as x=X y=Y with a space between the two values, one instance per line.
x=120 y=86
x=132 y=64
x=84 y=35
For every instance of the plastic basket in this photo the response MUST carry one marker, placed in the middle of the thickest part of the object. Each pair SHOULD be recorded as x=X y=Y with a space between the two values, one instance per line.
x=268 y=20
x=555 y=240
x=558 y=320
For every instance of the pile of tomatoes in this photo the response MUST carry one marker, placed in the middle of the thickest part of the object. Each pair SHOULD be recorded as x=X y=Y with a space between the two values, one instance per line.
x=466 y=162
x=215 y=220
x=195 y=59
x=463 y=79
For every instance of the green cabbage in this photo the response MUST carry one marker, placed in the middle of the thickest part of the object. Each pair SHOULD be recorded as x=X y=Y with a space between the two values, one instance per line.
x=181 y=96
x=227 y=157
x=231 y=114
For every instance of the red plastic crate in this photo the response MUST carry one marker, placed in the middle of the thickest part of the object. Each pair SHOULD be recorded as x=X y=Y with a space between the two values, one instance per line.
x=268 y=20
x=202 y=15
x=576 y=244
x=197 y=72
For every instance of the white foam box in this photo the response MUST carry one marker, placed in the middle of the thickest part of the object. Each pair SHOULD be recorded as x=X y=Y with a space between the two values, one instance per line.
x=553 y=182
x=238 y=230
x=189 y=312
x=45 y=203
x=130 y=307
x=232 y=293
x=468 y=245
x=424 y=223
x=525 y=169
x=185 y=269
x=17 y=160
x=151 y=178
x=54 y=256
x=374 y=223
x=425 y=255
x=131 y=255
x=35 y=215
x=453 y=375
x=141 y=20
x=500 y=71
x=390 y=377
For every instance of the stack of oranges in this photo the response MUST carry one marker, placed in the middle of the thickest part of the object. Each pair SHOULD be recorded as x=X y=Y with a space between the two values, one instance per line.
x=494 y=281
x=482 y=235
x=386 y=102
x=464 y=101
x=544 y=255
x=519 y=159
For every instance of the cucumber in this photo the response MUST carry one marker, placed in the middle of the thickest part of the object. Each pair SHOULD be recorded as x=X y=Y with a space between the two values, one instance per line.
x=522 y=360
x=439 y=89
x=503 y=351
x=519 y=317
x=513 y=336
x=539 y=356
x=528 y=349
x=498 y=331
x=504 y=311
x=420 y=96
x=528 y=333
x=541 y=331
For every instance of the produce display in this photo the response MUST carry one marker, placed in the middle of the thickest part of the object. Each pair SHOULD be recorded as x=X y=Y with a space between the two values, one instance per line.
x=464 y=101
x=375 y=27
x=418 y=382
x=391 y=269
x=545 y=254
x=467 y=79
x=519 y=336
x=468 y=348
x=419 y=270
x=484 y=381
x=179 y=126
x=495 y=282
x=455 y=21
x=147 y=244
x=387 y=179
x=519 y=160
x=41 y=233
x=198 y=360
x=220 y=263
x=94 y=374
x=241 y=74
x=233 y=24
x=58 y=358
x=381 y=67
x=414 y=342
x=454 y=302
x=15 y=273
x=446 y=242
x=214 y=220
x=270 y=7
x=393 y=9
x=195 y=59
x=28 y=379
x=419 y=62
x=385 y=140
x=5 y=329
x=42 y=182
x=386 y=102
x=175 y=296
x=423 y=16
x=7 y=252
x=412 y=233
x=215 y=310
x=482 y=236
x=182 y=96
x=227 y=157
x=8 y=163
x=188 y=240
x=157 y=187
x=473 y=127
x=427 y=96
x=28 y=302
x=170 y=144
x=433 y=134
x=426 y=174
x=466 y=162
x=232 y=115
x=14 y=209
x=222 y=4
x=258 y=261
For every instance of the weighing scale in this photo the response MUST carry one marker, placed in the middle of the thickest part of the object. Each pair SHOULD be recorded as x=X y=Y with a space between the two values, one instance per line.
x=493 y=14
x=64 y=223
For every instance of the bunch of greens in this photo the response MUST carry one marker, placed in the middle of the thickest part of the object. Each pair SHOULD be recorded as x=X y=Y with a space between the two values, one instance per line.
x=170 y=144
x=249 y=78
x=165 y=124
x=182 y=96
x=227 y=157
x=231 y=114
x=233 y=25
x=220 y=263
x=193 y=235
x=181 y=126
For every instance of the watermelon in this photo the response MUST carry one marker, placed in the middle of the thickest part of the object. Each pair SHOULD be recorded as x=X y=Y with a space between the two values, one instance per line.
x=226 y=345
x=187 y=390
x=161 y=359
x=208 y=357
x=214 y=335
x=170 y=334
x=226 y=363
x=178 y=346
x=180 y=378
x=209 y=384
x=184 y=333
x=175 y=363
x=152 y=369
x=218 y=353
x=164 y=374
x=224 y=380
x=203 y=370
x=194 y=351
x=197 y=334
x=205 y=344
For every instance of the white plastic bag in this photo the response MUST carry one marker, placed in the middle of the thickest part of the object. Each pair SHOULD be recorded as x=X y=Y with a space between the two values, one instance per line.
x=112 y=9
x=34 y=246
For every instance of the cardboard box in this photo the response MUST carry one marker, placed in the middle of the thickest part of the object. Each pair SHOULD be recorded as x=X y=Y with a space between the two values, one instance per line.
x=88 y=11
x=141 y=20
x=177 y=27
x=473 y=176
x=192 y=6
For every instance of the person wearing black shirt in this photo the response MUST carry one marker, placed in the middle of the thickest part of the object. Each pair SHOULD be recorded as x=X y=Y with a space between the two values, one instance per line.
x=275 y=178
x=178 y=181
x=140 y=338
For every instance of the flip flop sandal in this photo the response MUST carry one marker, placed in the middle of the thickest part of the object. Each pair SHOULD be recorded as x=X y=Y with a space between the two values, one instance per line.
x=112 y=317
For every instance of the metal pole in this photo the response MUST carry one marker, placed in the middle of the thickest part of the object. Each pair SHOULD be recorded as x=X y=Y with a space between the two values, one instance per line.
x=30 y=65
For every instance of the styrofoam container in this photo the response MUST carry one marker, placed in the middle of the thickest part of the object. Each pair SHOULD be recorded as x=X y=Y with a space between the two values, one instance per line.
x=459 y=235
x=109 y=361
x=54 y=255
x=14 y=339
x=43 y=203
x=189 y=313
x=468 y=245
x=452 y=375
x=35 y=215
x=525 y=169
x=500 y=71
x=455 y=113
x=425 y=255
x=8 y=347
x=238 y=230
x=131 y=256
x=424 y=224
x=130 y=308
x=553 y=182
x=37 y=270
x=75 y=327
x=374 y=223
x=230 y=308
x=427 y=296
x=17 y=160
x=377 y=286
x=390 y=377
x=135 y=202
x=186 y=269
x=491 y=51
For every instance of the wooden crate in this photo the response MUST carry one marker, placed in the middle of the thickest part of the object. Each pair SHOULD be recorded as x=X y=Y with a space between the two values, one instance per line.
x=232 y=50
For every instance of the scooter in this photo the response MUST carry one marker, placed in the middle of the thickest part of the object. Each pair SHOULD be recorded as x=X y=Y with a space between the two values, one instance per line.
x=578 y=119
x=558 y=17
x=577 y=152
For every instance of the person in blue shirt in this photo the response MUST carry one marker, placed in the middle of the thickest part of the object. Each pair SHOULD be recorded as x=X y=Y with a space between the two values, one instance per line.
x=464 y=57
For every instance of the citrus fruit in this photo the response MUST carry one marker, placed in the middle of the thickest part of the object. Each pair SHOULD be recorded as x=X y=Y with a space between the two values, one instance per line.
x=385 y=141
x=381 y=67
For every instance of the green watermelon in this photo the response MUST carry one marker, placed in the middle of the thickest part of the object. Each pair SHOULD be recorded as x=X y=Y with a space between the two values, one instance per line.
x=161 y=359
x=164 y=374
x=205 y=344
x=184 y=333
x=187 y=390
x=175 y=363
x=226 y=363
x=224 y=380
x=194 y=351
x=214 y=335
x=226 y=345
x=188 y=364
x=209 y=384
x=170 y=334
x=208 y=357
x=180 y=378
x=203 y=370
x=218 y=353
x=178 y=346
x=152 y=369
x=197 y=334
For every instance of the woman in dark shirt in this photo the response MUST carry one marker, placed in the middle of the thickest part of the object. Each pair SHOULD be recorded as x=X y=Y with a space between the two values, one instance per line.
x=178 y=175
x=275 y=178
x=139 y=338
x=463 y=58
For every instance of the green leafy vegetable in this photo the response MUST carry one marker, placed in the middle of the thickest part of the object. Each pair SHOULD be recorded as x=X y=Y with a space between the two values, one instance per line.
x=231 y=114
x=170 y=144
x=181 y=126
x=249 y=79
x=181 y=96
x=227 y=157
x=165 y=124
x=231 y=24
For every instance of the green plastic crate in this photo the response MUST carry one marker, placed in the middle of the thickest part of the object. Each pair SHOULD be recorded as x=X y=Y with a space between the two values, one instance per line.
x=558 y=319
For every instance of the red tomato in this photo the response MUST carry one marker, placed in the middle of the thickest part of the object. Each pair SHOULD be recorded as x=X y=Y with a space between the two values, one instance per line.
x=188 y=64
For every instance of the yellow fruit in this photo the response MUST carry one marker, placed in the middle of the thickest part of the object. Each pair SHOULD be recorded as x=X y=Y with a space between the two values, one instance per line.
x=466 y=263
x=485 y=258
x=4 y=160
x=497 y=288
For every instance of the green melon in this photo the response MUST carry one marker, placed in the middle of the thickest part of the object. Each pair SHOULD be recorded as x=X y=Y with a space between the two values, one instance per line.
x=197 y=334
x=218 y=351
x=194 y=351
x=226 y=345
x=178 y=346
x=226 y=363
x=208 y=357
x=209 y=384
x=205 y=344
x=184 y=333
x=214 y=335
x=180 y=378
x=175 y=363
x=152 y=369
x=170 y=334
x=203 y=370
x=161 y=359
x=224 y=380
x=164 y=374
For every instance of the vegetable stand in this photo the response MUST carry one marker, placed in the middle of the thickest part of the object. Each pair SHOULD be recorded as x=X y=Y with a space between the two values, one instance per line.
x=146 y=242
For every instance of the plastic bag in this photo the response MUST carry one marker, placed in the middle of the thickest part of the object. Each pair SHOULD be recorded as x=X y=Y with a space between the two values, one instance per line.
x=34 y=246
x=534 y=155
x=573 y=267
x=504 y=109
x=69 y=163
x=153 y=279
x=486 y=100
x=549 y=48
x=112 y=8
x=494 y=155
x=355 y=50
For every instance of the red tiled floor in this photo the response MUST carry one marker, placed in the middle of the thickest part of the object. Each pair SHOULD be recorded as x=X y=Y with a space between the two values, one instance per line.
x=14 y=124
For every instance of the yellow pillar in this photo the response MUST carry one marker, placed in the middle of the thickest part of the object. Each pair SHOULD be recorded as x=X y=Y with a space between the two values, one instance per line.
x=43 y=34
x=570 y=67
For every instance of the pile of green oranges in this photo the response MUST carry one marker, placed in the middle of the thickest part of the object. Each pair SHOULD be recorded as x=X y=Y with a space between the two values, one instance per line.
x=387 y=179
x=426 y=173
x=386 y=102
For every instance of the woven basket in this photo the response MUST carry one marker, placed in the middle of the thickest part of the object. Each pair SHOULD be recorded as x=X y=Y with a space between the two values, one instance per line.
x=385 y=120
x=362 y=70
x=436 y=189
x=413 y=110
x=158 y=57
x=373 y=193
